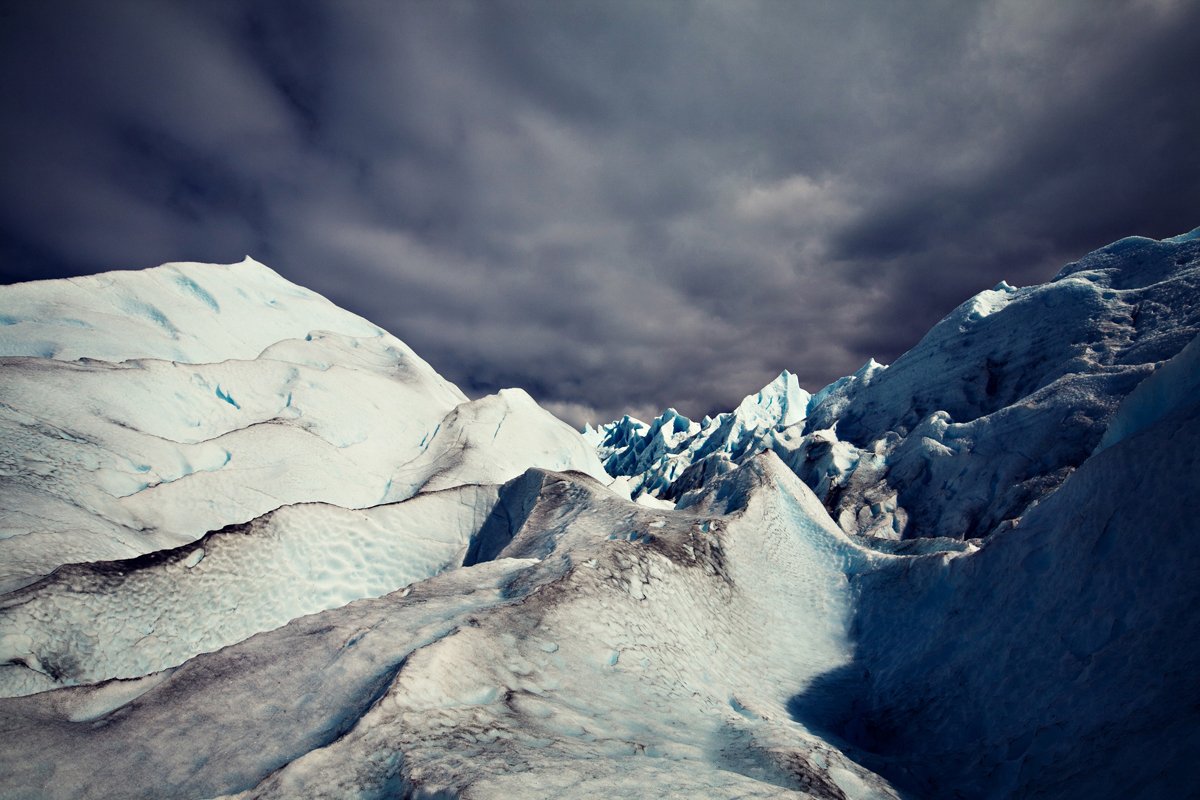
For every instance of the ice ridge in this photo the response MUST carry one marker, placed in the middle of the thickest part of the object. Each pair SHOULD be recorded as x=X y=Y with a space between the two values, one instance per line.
x=979 y=422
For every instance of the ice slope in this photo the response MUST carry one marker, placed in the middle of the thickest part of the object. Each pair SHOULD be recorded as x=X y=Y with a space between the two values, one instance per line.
x=225 y=720
x=1060 y=660
x=156 y=453
x=741 y=646
x=491 y=440
x=124 y=619
x=1173 y=385
x=979 y=422
x=1006 y=396
x=591 y=647
x=104 y=460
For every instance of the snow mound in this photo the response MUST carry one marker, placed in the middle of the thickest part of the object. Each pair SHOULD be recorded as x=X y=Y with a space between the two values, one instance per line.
x=188 y=312
x=102 y=460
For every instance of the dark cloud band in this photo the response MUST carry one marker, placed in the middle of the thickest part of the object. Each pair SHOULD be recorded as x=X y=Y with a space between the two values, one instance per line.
x=617 y=206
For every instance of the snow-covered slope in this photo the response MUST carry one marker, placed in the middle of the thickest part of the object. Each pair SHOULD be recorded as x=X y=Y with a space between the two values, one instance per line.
x=976 y=424
x=121 y=452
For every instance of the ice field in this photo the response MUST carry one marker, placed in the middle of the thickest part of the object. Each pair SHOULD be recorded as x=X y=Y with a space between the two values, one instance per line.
x=255 y=547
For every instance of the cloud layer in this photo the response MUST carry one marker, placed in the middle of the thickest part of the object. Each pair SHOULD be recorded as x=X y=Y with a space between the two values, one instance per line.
x=617 y=206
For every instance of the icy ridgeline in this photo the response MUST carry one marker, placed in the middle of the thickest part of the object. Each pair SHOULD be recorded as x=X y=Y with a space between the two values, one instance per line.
x=968 y=430
x=140 y=410
x=551 y=639
x=658 y=463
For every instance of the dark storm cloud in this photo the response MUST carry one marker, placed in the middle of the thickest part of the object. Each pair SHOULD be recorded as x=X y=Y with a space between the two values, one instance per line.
x=617 y=206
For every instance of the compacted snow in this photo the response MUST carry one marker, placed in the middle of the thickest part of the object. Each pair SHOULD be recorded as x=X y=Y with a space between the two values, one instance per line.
x=314 y=569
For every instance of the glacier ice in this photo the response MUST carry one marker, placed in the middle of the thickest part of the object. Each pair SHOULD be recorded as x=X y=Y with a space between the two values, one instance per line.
x=1057 y=661
x=969 y=574
x=186 y=312
x=125 y=619
x=572 y=663
x=657 y=455
x=105 y=459
x=1174 y=384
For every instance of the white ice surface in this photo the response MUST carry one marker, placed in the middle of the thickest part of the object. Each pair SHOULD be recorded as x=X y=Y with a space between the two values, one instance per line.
x=491 y=440
x=88 y=623
x=102 y=460
x=162 y=452
x=743 y=645
x=227 y=719
x=188 y=312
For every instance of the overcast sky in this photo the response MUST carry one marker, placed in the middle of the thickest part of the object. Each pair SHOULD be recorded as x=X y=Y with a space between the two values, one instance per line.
x=618 y=206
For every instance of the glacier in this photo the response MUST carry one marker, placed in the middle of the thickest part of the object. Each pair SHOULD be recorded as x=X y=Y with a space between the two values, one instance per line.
x=254 y=547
